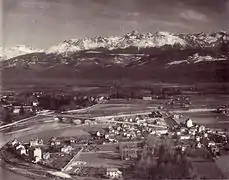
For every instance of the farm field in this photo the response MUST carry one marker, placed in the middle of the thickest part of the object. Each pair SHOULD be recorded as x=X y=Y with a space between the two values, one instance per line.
x=209 y=119
x=208 y=169
x=59 y=132
x=102 y=159
x=222 y=163
x=116 y=107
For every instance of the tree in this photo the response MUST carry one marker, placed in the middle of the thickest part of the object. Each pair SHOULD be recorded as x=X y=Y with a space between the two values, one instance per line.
x=167 y=163
x=21 y=111
x=5 y=115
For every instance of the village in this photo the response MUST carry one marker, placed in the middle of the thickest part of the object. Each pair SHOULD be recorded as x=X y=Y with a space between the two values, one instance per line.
x=115 y=143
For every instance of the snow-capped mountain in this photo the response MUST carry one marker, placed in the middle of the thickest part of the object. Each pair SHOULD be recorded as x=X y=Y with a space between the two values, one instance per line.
x=140 y=40
x=8 y=53
x=161 y=56
x=133 y=39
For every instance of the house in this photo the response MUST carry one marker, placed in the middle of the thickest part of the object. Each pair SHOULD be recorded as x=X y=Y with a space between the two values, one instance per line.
x=66 y=149
x=178 y=133
x=21 y=149
x=211 y=143
x=15 y=142
x=106 y=136
x=129 y=150
x=192 y=131
x=36 y=142
x=54 y=142
x=114 y=173
x=147 y=98
x=46 y=156
x=130 y=153
x=77 y=121
x=198 y=145
x=33 y=142
x=185 y=137
x=79 y=163
x=183 y=129
x=36 y=154
x=198 y=138
x=161 y=131
x=98 y=134
x=188 y=123
x=176 y=116
x=16 y=111
x=201 y=128
x=56 y=119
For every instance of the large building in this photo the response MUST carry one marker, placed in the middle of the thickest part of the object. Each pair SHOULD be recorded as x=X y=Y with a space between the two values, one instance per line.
x=113 y=173
x=36 y=154
x=189 y=123
x=130 y=150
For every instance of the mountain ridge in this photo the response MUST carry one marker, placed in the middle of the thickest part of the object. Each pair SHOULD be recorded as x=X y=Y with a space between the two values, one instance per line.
x=134 y=39
x=141 y=40
x=197 y=57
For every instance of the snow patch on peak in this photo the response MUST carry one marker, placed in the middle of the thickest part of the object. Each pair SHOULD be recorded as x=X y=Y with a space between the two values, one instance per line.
x=163 y=33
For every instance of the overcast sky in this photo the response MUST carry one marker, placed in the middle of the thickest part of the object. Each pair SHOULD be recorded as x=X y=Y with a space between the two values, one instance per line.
x=42 y=23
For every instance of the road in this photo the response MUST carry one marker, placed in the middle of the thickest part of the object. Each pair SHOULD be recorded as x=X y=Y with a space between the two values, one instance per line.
x=194 y=110
x=65 y=168
x=46 y=113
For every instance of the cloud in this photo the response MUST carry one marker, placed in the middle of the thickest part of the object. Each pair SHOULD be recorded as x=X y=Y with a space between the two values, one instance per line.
x=194 y=15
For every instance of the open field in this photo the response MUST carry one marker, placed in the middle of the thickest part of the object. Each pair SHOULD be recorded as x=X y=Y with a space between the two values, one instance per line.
x=209 y=119
x=59 y=132
x=208 y=170
x=223 y=164
x=209 y=100
x=102 y=159
x=116 y=107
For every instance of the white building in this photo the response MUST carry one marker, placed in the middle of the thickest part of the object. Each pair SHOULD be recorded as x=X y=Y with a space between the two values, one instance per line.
x=189 y=123
x=16 y=111
x=14 y=142
x=201 y=128
x=198 y=145
x=98 y=134
x=36 y=142
x=211 y=143
x=176 y=116
x=183 y=129
x=33 y=142
x=66 y=149
x=185 y=137
x=46 y=156
x=113 y=173
x=37 y=155
x=147 y=98
x=21 y=149
x=77 y=121
x=162 y=131
x=35 y=103
x=178 y=133
x=198 y=138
